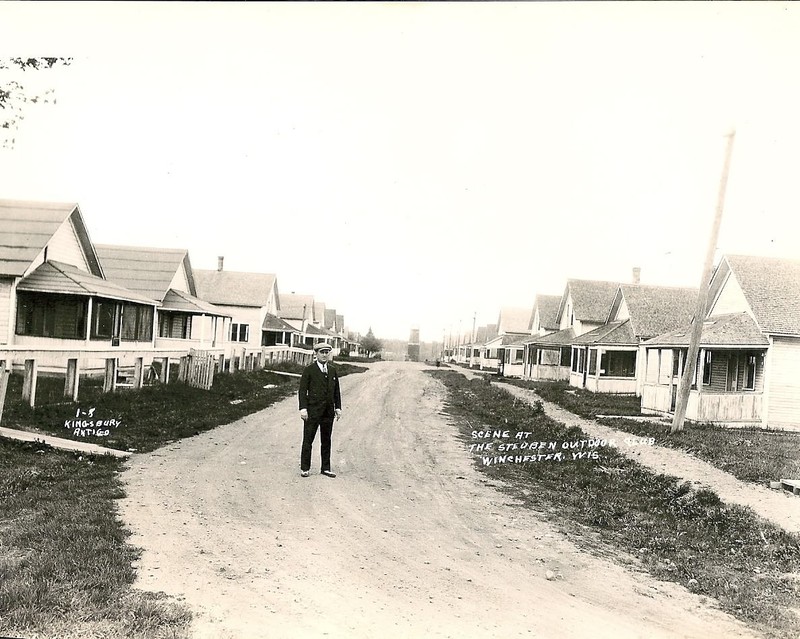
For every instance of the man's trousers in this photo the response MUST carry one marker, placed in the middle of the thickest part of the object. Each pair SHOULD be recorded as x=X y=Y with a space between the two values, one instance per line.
x=325 y=425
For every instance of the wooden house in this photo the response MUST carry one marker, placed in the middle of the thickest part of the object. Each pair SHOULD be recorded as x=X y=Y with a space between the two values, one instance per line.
x=54 y=294
x=182 y=319
x=253 y=303
x=614 y=353
x=748 y=369
x=513 y=326
x=544 y=320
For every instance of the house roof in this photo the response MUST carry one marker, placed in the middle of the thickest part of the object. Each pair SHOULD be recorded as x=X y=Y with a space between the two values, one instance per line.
x=731 y=330
x=619 y=333
x=175 y=300
x=148 y=270
x=275 y=323
x=65 y=279
x=233 y=288
x=297 y=306
x=319 y=312
x=26 y=228
x=548 y=311
x=564 y=337
x=514 y=320
x=657 y=309
x=518 y=339
x=591 y=299
x=330 y=318
x=771 y=287
x=340 y=323
x=313 y=330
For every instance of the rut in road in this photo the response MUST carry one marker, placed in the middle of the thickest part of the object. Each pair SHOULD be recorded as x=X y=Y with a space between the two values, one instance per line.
x=409 y=540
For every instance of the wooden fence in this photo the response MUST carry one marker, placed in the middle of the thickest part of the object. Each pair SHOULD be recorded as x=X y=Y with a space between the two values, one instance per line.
x=197 y=369
x=133 y=369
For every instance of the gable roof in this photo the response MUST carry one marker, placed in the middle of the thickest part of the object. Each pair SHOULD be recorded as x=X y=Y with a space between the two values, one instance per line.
x=26 y=228
x=232 y=288
x=66 y=279
x=175 y=300
x=732 y=329
x=563 y=337
x=619 y=333
x=148 y=270
x=514 y=320
x=295 y=306
x=591 y=299
x=548 y=312
x=655 y=310
x=330 y=318
x=275 y=323
x=771 y=287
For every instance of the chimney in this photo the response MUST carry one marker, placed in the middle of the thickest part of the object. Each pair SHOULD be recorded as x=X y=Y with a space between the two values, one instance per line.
x=637 y=273
x=220 y=260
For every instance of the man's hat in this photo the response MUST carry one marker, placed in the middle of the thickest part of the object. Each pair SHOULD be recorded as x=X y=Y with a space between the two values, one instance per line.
x=322 y=346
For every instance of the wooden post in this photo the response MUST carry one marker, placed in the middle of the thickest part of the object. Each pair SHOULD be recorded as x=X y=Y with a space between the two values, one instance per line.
x=138 y=372
x=71 y=381
x=183 y=366
x=110 y=381
x=702 y=299
x=29 y=385
x=5 y=371
x=165 y=370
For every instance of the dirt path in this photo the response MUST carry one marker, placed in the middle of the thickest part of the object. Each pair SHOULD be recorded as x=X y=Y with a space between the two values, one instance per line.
x=408 y=541
x=779 y=507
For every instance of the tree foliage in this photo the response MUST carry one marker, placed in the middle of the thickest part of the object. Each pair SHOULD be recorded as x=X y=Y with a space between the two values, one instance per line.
x=15 y=97
x=371 y=344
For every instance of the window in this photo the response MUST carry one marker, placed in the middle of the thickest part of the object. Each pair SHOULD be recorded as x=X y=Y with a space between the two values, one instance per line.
x=104 y=319
x=175 y=325
x=593 y=361
x=578 y=360
x=707 y=368
x=565 y=356
x=241 y=333
x=59 y=316
x=515 y=356
x=750 y=371
x=137 y=322
x=618 y=364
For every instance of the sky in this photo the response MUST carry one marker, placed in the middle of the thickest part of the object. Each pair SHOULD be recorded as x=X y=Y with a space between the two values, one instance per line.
x=417 y=164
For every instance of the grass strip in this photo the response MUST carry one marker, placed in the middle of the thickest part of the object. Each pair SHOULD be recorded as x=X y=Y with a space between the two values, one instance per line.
x=678 y=533
x=750 y=454
x=65 y=566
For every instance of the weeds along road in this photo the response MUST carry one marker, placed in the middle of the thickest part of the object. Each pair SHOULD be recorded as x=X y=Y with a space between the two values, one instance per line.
x=408 y=541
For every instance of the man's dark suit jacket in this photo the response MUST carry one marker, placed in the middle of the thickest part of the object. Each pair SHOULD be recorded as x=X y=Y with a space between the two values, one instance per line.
x=318 y=392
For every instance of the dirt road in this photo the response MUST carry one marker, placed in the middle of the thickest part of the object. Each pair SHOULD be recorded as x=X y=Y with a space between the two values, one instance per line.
x=408 y=541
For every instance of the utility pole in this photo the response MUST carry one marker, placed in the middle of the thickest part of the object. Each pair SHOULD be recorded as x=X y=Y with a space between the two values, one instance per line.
x=685 y=384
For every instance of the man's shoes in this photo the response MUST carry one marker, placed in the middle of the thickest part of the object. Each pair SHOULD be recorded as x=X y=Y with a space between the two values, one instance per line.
x=328 y=473
x=304 y=473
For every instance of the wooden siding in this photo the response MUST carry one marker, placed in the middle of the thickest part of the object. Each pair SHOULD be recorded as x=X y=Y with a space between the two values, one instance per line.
x=180 y=282
x=65 y=247
x=784 y=375
x=725 y=407
x=612 y=385
x=656 y=398
x=731 y=299
x=6 y=308
x=555 y=373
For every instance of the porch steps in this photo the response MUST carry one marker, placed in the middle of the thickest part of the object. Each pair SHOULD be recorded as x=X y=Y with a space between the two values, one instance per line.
x=789 y=485
x=59 y=442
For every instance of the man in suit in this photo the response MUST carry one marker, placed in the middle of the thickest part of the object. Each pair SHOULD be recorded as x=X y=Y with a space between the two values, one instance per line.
x=320 y=404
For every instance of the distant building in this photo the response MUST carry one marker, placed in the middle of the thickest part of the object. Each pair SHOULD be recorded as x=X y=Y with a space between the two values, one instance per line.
x=413 y=345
